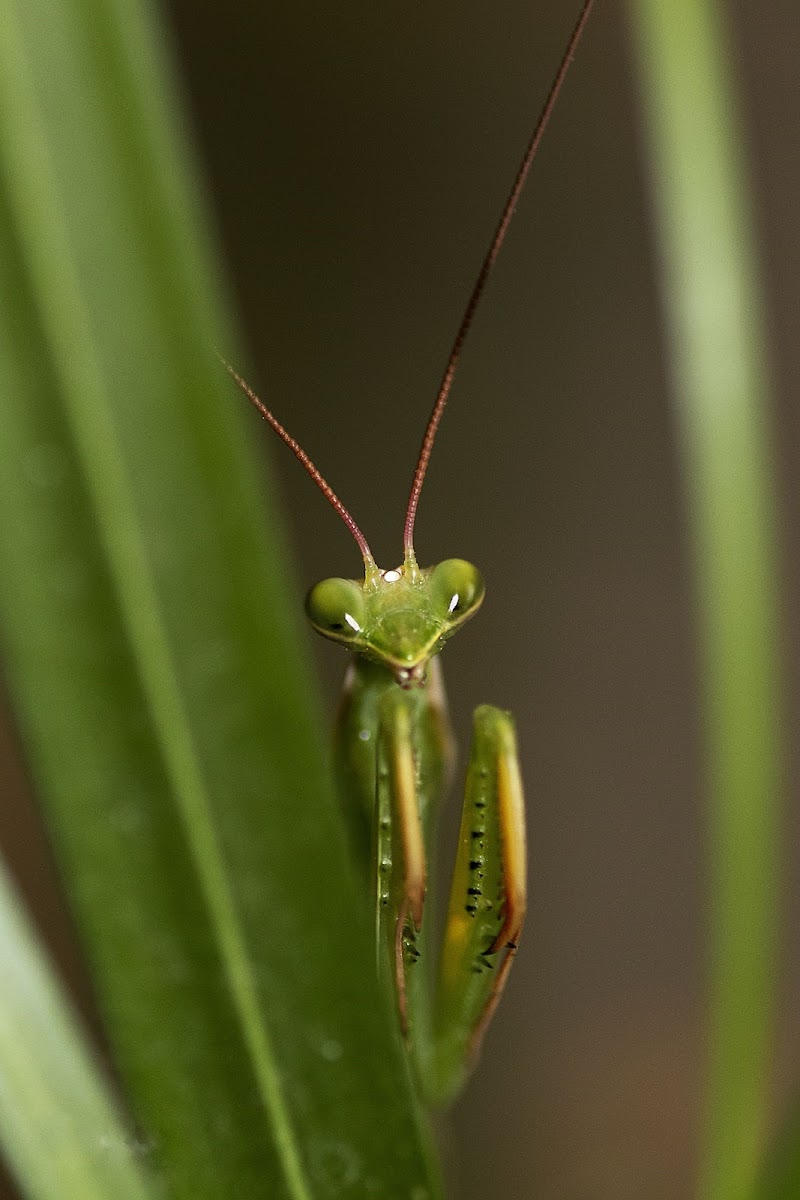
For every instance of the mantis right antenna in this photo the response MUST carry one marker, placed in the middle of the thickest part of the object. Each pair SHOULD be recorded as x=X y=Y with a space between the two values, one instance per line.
x=483 y=275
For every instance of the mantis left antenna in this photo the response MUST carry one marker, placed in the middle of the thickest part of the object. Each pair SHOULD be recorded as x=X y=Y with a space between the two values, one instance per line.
x=483 y=275
x=302 y=457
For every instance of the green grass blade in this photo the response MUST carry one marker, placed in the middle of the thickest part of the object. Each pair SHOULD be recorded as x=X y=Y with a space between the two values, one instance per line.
x=152 y=653
x=51 y=1090
x=717 y=328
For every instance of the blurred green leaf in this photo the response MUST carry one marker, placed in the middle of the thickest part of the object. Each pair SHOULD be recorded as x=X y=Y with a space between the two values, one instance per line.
x=719 y=353
x=50 y=1086
x=152 y=652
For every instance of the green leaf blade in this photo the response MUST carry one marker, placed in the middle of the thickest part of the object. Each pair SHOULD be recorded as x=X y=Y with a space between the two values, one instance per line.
x=717 y=329
x=149 y=640
x=50 y=1085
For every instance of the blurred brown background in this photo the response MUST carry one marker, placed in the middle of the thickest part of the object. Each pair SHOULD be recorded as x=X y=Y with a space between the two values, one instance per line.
x=358 y=157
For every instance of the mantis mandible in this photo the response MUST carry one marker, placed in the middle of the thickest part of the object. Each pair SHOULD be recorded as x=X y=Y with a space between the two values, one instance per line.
x=393 y=753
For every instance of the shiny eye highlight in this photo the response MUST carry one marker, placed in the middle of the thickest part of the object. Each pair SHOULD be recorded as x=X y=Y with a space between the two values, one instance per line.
x=336 y=607
x=456 y=588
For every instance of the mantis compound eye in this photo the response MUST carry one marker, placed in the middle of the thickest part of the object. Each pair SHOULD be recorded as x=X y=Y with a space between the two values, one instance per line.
x=336 y=607
x=456 y=589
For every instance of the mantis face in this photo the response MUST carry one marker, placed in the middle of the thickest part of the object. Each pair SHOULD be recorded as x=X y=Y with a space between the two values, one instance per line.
x=399 y=618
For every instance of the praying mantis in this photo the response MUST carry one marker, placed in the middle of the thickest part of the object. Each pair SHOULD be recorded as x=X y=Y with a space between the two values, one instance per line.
x=393 y=753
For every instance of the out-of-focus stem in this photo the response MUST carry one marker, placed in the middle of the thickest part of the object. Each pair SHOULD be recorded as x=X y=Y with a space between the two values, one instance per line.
x=716 y=329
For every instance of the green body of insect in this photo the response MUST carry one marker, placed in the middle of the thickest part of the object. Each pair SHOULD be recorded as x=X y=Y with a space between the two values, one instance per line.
x=393 y=752
x=394 y=756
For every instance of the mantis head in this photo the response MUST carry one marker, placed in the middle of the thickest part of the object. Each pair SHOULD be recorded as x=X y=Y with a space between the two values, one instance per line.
x=398 y=618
